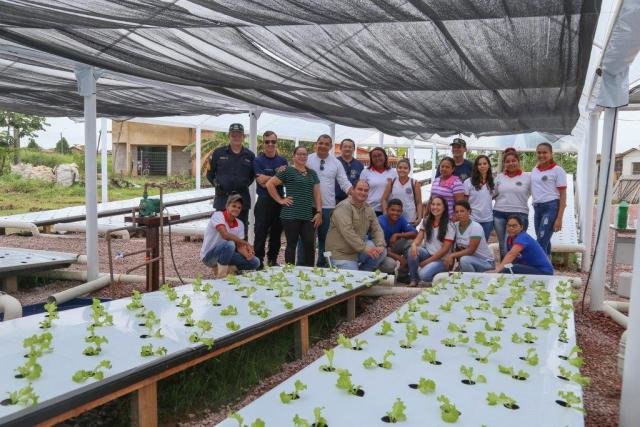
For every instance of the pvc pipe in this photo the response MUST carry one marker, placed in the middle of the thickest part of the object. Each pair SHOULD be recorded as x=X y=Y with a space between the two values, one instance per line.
x=104 y=167
x=332 y=132
x=615 y=314
x=607 y=164
x=22 y=225
x=586 y=226
x=377 y=291
x=198 y=157
x=10 y=306
x=629 y=408
x=76 y=291
x=381 y=139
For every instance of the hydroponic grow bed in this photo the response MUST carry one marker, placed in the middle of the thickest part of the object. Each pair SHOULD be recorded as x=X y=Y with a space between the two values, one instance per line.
x=221 y=312
x=419 y=378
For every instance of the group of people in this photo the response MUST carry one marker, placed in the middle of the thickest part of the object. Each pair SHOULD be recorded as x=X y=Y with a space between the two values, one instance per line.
x=369 y=217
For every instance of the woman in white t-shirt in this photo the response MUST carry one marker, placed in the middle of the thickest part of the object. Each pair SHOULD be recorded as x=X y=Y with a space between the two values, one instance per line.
x=426 y=259
x=511 y=192
x=407 y=190
x=377 y=175
x=471 y=248
x=478 y=189
x=549 y=193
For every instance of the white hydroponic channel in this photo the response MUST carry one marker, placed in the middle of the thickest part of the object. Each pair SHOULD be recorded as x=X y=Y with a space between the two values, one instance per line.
x=125 y=342
x=536 y=396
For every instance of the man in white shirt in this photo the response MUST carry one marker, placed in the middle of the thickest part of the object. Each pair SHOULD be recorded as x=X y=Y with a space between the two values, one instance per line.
x=223 y=243
x=329 y=172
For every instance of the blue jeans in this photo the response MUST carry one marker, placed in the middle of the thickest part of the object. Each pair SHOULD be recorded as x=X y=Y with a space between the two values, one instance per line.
x=500 y=224
x=364 y=261
x=524 y=269
x=545 y=215
x=475 y=264
x=224 y=253
x=427 y=272
x=487 y=227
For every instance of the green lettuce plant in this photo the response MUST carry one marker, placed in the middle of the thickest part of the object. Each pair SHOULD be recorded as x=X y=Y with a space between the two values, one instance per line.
x=330 y=355
x=396 y=414
x=385 y=328
x=97 y=373
x=299 y=386
x=448 y=411
x=52 y=314
x=344 y=383
x=467 y=373
x=147 y=350
x=25 y=396
x=570 y=400
x=30 y=370
x=501 y=399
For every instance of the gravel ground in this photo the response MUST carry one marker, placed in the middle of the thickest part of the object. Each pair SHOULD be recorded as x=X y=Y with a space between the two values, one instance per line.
x=597 y=334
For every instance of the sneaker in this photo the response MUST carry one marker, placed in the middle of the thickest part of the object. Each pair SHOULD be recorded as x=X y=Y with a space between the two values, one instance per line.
x=412 y=284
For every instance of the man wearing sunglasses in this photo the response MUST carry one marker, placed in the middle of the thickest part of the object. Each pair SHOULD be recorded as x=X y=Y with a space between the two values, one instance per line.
x=267 y=210
x=330 y=172
x=463 y=167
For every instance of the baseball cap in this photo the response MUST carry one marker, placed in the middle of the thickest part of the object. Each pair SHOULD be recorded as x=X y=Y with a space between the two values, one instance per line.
x=236 y=127
x=459 y=141
x=234 y=198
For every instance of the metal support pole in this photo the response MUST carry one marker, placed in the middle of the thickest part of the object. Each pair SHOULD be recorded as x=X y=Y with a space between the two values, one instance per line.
x=198 y=158
x=332 y=132
x=104 y=166
x=629 y=408
x=604 y=204
x=434 y=161
x=589 y=186
x=297 y=143
x=253 y=143
x=86 y=77
x=381 y=139
x=412 y=156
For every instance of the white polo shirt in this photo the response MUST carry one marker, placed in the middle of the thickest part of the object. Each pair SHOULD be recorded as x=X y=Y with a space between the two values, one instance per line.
x=473 y=231
x=212 y=236
x=377 y=183
x=512 y=193
x=481 y=201
x=546 y=182
x=329 y=172
x=433 y=245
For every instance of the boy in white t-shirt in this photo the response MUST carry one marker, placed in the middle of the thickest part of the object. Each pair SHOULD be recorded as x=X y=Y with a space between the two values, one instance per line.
x=471 y=247
x=223 y=242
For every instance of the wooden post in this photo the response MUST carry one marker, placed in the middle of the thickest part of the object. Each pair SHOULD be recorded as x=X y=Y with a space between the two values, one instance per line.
x=144 y=405
x=10 y=284
x=351 y=308
x=153 y=251
x=302 y=337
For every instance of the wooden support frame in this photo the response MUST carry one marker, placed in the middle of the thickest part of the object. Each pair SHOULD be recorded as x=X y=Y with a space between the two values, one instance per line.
x=301 y=337
x=9 y=284
x=351 y=308
x=144 y=405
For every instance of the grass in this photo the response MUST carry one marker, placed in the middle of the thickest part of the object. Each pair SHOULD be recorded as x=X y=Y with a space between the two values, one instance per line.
x=220 y=381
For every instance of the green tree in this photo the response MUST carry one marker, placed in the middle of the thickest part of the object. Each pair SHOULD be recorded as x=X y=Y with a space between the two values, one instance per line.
x=62 y=146
x=33 y=145
x=18 y=126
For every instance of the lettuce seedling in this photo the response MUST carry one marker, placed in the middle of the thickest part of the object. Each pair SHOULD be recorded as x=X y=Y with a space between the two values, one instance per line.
x=446 y=306
x=100 y=315
x=479 y=295
x=422 y=299
x=448 y=411
x=319 y=420
x=136 y=301
x=150 y=322
x=502 y=399
x=330 y=355
x=483 y=306
x=37 y=345
x=413 y=307
x=330 y=293
x=287 y=304
x=197 y=283
x=95 y=346
x=24 y=396
x=214 y=298
x=357 y=344
x=232 y=326
x=250 y=291
x=169 y=292
x=424 y=330
x=576 y=360
x=467 y=372
x=492 y=345
x=52 y=314
x=404 y=317
x=259 y=309
x=344 y=383
x=432 y=317
x=501 y=313
x=570 y=400
x=204 y=326
x=509 y=370
x=385 y=328
x=229 y=310
x=31 y=370
x=469 y=309
x=455 y=340
x=233 y=280
x=426 y=386
x=148 y=350
x=283 y=292
x=299 y=386
x=454 y=327
x=257 y=423
x=396 y=413
x=563 y=337
x=97 y=373
x=528 y=338
x=498 y=326
x=542 y=298
x=574 y=376
x=429 y=356
x=371 y=363
x=531 y=357
x=411 y=334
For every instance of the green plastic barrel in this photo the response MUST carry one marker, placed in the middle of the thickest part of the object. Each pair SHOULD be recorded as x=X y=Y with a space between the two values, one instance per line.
x=623 y=215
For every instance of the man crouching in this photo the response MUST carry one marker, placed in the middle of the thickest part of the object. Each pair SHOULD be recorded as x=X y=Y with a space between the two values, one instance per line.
x=223 y=243
x=353 y=220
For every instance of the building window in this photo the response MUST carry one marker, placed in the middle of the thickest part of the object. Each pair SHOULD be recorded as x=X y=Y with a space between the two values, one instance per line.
x=618 y=166
x=636 y=168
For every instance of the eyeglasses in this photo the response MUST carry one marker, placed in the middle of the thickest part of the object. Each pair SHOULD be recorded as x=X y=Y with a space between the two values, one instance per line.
x=270 y=141
x=321 y=164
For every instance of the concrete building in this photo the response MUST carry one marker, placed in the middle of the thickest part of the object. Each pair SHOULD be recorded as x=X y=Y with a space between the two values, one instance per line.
x=627 y=163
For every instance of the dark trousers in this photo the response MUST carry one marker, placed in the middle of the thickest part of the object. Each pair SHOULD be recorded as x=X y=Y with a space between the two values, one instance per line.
x=303 y=230
x=267 y=213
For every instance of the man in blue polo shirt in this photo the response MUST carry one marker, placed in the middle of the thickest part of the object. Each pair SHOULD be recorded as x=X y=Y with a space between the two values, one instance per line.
x=463 y=167
x=352 y=166
x=398 y=235
x=267 y=210
x=231 y=172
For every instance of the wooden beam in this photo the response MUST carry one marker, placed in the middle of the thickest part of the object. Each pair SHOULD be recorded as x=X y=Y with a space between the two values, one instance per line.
x=10 y=284
x=351 y=308
x=301 y=338
x=145 y=406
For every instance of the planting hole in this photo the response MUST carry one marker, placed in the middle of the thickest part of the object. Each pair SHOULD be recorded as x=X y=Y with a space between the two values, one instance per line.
x=436 y=362
x=511 y=406
x=563 y=341
x=450 y=345
x=563 y=378
x=356 y=348
x=360 y=392
x=19 y=376
x=563 y=357
x=319 y=425
x=414 y=386
x=531 y=327
x=145 y=336
x=522 y=358
x=6 y=402
x=386 y=419
x=405 y=346
x=468 y=382
x=189 y=325
x=141 y=324
x=517 y=377
x=562 y=403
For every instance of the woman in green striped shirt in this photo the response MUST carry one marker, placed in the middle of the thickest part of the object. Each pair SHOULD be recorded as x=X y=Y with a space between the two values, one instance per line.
x=298 y=215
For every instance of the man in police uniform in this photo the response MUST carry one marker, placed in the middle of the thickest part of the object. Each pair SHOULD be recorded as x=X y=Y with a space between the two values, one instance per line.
x=231 y=172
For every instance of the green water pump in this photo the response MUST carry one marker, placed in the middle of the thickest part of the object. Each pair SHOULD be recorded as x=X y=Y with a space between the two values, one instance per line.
x=148 y=207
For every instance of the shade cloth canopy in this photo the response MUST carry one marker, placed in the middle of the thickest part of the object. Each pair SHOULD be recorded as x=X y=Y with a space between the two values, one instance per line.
x=407 y=68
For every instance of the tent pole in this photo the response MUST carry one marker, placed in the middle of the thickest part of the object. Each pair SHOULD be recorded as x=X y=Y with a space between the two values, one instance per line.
x=86 y=77
x=198 y=157
x=381 y=139
x=629 y=408
x=604 y=203
x=434 y=159
x=297 y=142
x=589 y=164
x=254 y=114
x=412 y=155
x=332 y=132
x=104 y=166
